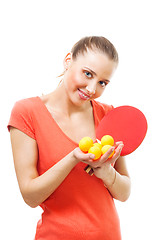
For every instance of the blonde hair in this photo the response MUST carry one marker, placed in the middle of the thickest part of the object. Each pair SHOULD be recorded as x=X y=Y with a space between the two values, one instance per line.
x=94 y=43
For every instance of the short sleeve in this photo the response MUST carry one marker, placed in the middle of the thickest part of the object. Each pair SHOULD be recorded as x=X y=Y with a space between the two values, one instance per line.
x=21 y=118
x=107 y=108
x=100 y=110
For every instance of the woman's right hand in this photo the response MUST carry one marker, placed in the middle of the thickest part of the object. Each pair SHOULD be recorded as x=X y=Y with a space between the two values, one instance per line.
x=88 y=158
x=81 y=156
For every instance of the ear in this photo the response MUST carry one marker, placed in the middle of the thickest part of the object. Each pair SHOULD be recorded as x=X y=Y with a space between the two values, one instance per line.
x=67 y=61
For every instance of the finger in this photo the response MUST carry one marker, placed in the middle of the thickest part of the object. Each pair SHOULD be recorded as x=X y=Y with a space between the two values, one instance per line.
x=106 y=155
x=119 y=148
x=97 y=163
x=87 y=157
x=83 y=156
x=103 y=159
x=116 y=154
x=116 y=144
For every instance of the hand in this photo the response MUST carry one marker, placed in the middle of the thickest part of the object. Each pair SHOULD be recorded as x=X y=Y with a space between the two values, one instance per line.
x=88 y=157
x=105 y=171
x=81 y=156
x=118 y=148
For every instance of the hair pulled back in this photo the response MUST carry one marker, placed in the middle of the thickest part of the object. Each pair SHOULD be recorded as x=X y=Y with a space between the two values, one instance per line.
x=95 y=43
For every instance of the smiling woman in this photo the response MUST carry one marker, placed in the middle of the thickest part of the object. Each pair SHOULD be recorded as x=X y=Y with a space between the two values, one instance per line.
x=45 y=132
x=90 y=72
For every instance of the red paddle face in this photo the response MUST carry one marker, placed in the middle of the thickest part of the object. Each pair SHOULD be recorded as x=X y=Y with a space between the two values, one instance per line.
x=124 y=123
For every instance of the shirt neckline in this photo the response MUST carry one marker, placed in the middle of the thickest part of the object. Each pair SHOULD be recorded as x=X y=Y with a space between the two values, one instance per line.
x=52 y=119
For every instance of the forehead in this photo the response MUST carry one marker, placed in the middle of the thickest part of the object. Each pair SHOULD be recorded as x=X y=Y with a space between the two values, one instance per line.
x=95 y=60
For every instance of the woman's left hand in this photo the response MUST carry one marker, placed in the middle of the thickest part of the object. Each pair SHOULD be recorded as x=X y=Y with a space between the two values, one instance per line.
x=105 y=158
x=105 y=171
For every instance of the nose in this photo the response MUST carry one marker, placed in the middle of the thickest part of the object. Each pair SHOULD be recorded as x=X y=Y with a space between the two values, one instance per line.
x=91 y=89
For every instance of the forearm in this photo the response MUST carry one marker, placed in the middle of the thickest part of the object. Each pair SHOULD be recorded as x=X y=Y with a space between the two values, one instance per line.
x=40 y=188
x=118 y=185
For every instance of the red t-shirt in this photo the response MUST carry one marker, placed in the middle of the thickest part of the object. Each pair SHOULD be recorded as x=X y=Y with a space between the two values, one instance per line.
x=81 y=208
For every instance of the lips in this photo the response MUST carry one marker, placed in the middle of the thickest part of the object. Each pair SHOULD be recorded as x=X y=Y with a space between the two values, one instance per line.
x=83 y=95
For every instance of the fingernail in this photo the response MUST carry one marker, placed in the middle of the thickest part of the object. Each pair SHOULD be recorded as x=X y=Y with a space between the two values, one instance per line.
x=92 y=156
x=121 y=149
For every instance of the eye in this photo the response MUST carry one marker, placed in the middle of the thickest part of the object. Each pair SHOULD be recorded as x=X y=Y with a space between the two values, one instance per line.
x=88 y=74
x=103 y=83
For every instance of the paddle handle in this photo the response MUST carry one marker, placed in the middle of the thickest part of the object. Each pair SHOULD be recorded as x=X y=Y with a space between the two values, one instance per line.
x=89 y=170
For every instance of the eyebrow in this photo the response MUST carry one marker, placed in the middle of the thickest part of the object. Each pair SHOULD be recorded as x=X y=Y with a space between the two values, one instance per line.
x=96 y=74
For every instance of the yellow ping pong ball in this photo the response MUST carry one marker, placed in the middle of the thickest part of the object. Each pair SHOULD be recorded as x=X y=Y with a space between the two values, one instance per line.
x=85 y=144
x=105 y=148
x=107 y=140
x=96 y=151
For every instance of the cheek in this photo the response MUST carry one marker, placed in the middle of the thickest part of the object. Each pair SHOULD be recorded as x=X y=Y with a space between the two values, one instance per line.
x=99 y=92
x=71 y=80
x=77 y=79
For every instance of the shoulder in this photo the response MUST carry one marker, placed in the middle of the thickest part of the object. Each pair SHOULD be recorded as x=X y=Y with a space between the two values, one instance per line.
x=25 y=107
x=25 y=104
x=22 y=115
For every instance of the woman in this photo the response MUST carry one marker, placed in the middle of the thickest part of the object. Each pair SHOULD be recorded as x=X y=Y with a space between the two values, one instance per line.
x=45 y=132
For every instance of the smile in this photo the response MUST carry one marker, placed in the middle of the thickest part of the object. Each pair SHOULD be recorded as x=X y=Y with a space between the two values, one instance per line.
x=83 y=95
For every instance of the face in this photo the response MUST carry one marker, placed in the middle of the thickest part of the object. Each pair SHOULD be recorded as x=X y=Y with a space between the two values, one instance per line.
x=86 y=77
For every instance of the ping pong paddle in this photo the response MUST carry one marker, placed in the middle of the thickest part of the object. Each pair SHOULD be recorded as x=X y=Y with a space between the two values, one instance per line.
x=124 y=123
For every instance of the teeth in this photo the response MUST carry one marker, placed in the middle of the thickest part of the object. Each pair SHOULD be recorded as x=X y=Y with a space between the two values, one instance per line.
x=84 y=95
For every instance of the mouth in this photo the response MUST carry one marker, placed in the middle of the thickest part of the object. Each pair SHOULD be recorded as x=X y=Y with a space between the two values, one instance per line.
x=83 y=95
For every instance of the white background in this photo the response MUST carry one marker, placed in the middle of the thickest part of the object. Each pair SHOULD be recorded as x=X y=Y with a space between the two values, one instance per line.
x=35 y=36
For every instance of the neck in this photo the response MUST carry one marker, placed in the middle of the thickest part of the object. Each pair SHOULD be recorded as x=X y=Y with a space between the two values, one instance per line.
x=60 y=101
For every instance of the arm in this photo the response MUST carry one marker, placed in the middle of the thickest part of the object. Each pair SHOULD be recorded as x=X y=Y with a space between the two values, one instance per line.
x=116 y=179
x=34 y=188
